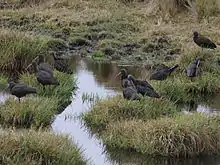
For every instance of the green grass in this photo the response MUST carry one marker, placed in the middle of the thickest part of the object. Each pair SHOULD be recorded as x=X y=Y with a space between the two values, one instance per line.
x=118 y=109
x=181 y=136
x=38 y=110
x=63 y=92
x=18 y=49
x=31 y=112
x=3 y=82
x=29 y=147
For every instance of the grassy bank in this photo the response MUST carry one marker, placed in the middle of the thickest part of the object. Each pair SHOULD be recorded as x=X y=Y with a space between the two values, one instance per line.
x=178 y=87
x=119 y=109
x=63 y=92
x=31 y=148
x=180 y=136
x=38 y=110
x=33 y=111
x=18 y=49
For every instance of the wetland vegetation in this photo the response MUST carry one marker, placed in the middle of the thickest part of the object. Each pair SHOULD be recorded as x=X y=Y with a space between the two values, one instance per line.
x=148 y=34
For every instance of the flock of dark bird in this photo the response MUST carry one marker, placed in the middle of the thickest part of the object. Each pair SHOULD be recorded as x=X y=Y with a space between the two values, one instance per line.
x=44 y=74
x=131 y=86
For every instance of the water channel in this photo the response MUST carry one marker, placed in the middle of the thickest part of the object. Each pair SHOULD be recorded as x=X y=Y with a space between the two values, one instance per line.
x=98 y=79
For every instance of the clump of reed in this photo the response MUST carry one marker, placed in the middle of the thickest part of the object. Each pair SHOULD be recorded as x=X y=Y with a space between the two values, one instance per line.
x=118 y=109
x=181 y=136
x=30 y=147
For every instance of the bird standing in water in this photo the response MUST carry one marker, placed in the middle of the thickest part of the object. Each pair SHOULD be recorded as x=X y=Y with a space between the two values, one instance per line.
x=163 y=73
x=20 y=89
x=143 y=87
x=202 y=41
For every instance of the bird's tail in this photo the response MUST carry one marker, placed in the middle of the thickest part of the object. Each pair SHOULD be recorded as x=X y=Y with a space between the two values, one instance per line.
x=171 y=69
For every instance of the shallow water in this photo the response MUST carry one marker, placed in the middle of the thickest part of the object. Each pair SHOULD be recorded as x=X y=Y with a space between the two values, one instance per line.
x=4 y=96
x=98 y=78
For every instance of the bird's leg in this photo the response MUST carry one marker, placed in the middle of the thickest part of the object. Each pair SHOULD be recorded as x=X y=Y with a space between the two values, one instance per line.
x=19 y=100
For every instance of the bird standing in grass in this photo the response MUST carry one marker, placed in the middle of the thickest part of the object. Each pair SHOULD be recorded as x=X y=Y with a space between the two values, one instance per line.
x=20 y=89
x=124 y=78
x=193 y=69
x=163 y=73
x=143 y=87
x=42 y=65
x=202 y=41
x=129 y=92
x=44 y=77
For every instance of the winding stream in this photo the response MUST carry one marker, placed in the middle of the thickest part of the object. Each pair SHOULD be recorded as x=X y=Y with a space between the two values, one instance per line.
x=98 y=78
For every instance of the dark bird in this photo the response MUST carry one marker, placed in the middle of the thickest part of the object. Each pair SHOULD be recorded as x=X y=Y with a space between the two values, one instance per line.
x=143 y=87
x=44 y=77
x=193 y=69
x=163 y=73
x=124 y=78
x=129 y=92
x=20 y=89
x=202 y=41
x=61 y=64
x=42 y=65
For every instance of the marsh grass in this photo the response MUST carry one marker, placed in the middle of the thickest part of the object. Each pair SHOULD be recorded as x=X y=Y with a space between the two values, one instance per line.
x=179 y=88
x=38 y=111
x=118 y=109
x=33 y=111
x=63 y=92
x=30 y=147
x=181 y=136
x=18 y=49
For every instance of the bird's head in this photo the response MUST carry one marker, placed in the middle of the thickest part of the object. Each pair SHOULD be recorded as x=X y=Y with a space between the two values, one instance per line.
x=123 y=74
x=40 y=59
x=11 y=83
x=195 y=34
x=34 y=64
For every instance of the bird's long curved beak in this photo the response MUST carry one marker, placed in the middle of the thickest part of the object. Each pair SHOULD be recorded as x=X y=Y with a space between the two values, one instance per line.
x=117 y=75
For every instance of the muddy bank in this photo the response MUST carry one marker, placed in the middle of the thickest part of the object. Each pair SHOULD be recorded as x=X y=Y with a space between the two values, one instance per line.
x=99 y=40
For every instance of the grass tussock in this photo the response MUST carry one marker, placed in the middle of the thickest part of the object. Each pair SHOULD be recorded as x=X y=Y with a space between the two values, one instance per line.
x=63 y=92
x=18 y=49
x=119 y=109
x=181 y=136
x=31 y=148
x=34 y=111
x=180 y=88
x=38 y=111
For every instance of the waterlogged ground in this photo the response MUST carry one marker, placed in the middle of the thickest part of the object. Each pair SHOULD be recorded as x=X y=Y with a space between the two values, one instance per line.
x=98 y=79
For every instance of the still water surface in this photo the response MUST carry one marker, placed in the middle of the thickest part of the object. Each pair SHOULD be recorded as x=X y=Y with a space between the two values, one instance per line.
x=98 y=78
